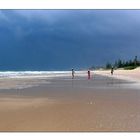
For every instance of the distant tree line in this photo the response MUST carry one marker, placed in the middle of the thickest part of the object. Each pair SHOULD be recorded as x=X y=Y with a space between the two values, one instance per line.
x=131 y=64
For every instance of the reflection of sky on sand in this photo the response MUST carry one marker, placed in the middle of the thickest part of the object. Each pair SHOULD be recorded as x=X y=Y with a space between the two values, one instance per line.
x=103 y=82
x=20 y=83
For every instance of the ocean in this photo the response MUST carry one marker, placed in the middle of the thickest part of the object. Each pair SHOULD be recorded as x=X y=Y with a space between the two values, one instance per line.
x=38 y=74
x=26 y=79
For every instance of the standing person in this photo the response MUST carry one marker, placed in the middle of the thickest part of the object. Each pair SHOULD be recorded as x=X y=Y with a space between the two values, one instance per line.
x=72 y=73
x=112 y=71
x=89 y=74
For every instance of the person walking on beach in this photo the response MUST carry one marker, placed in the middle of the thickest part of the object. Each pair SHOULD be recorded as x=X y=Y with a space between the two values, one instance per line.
x=112 y=71
x=89 y=74
x=72 y=73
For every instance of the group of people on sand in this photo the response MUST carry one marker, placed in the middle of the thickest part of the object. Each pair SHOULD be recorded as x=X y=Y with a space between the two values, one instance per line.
x=89 y=73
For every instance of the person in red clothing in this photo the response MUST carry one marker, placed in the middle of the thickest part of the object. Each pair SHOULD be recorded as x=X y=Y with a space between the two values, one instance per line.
x=89 y=74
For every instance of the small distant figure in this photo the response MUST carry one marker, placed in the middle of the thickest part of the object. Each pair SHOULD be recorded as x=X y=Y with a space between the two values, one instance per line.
x=89 y=74
x=72 y=73
x=112 y=70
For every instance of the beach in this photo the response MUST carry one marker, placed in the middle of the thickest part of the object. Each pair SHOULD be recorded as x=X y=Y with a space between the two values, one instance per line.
x=62 y=104
x=130 y=75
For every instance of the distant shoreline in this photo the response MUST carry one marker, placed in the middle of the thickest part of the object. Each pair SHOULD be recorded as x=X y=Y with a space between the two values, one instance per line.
x=129 y=75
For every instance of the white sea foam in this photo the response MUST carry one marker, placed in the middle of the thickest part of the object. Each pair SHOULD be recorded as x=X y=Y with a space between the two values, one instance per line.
x=26 y=79
x=38 y=74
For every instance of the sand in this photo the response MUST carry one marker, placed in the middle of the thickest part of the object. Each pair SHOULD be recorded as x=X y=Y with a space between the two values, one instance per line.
x=131 y=75
x=63 y=104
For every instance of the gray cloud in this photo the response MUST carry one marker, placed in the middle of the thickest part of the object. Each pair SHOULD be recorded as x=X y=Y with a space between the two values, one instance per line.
x=61 y=39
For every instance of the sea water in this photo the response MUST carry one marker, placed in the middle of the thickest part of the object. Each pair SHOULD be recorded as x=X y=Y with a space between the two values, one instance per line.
x=37 y=74
x=25 y=79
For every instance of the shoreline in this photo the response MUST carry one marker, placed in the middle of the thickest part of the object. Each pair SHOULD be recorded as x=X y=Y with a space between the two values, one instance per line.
x=27 y=79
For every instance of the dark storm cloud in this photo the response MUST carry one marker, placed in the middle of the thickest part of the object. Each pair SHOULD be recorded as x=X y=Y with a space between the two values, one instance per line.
x=61 y=39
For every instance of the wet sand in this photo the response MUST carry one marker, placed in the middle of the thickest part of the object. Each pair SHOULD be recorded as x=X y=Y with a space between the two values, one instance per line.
x=63 y=104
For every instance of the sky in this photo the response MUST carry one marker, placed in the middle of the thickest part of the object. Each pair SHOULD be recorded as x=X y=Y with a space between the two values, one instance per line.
x=65 y=39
